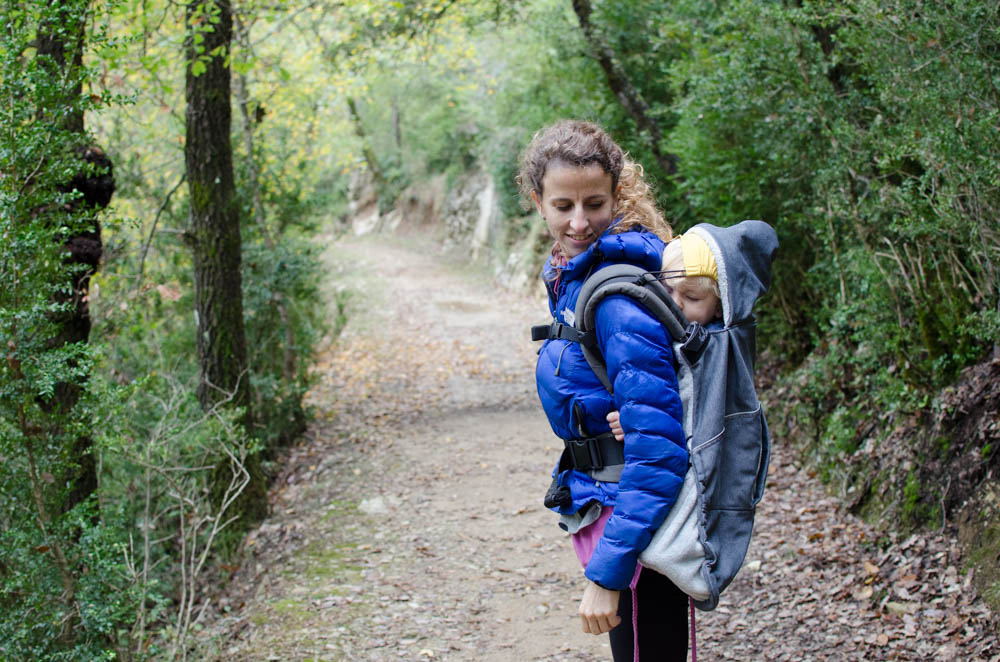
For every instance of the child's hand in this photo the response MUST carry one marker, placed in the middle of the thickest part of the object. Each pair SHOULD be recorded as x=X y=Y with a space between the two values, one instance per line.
x=616 y=427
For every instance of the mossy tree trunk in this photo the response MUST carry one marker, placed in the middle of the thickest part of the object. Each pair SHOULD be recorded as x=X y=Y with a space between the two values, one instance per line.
x=214 y=237
x=60 y=45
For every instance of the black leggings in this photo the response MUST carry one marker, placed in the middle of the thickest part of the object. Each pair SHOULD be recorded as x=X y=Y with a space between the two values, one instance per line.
x=662 y=624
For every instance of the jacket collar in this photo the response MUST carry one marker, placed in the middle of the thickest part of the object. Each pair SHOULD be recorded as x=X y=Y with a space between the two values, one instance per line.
x=638 y=247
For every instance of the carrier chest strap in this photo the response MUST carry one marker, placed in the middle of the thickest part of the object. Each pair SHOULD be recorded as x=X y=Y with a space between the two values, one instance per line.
x=559 y=331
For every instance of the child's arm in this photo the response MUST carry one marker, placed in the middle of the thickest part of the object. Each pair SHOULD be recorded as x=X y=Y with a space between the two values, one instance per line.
x=616 y=426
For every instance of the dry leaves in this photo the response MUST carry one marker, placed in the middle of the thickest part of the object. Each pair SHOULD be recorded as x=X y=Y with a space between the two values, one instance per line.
x=821 y=585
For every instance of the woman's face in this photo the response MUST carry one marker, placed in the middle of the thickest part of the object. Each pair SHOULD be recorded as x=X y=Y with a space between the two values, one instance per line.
x=577 y=203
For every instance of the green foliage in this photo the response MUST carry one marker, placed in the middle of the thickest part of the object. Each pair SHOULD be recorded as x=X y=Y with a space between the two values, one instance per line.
x=103 y=579
x=62 y=592
x=862 y=133
x=810 y=118
x=281 y=306
x=916 y=511
x=31 y=585
x=163 y=455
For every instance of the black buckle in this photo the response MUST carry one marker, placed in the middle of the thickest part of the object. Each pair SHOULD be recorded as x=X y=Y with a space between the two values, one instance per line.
x=697 y=336
x=585 y=454
x=540 y=332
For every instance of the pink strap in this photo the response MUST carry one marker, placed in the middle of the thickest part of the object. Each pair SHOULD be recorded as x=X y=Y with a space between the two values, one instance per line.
x=635 y=615
x=694 y=642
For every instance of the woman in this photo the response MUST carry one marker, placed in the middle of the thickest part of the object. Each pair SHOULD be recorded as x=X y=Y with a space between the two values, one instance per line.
x=599 y=211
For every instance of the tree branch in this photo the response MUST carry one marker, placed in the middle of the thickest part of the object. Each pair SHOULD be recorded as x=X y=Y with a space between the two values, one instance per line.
x=619 y=82
x=156 y=219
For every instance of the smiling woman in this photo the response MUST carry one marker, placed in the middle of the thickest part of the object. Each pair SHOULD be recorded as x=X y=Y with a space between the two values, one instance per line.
x=599 y=211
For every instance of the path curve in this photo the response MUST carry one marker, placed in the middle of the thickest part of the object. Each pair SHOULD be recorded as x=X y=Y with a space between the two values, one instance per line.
x=408 y=524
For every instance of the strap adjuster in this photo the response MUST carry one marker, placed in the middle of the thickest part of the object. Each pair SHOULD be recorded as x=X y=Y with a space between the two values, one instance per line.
x=540 y=332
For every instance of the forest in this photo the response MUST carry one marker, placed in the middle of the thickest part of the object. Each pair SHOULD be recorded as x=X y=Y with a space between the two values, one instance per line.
x=168 y=171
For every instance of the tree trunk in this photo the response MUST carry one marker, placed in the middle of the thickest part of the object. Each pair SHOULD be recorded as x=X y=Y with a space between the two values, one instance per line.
x=215 y=223
x=618 y=80
x=215 y=236
x=60 y=43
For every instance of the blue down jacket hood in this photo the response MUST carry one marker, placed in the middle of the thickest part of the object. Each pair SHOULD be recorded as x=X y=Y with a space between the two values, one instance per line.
x=640 y=361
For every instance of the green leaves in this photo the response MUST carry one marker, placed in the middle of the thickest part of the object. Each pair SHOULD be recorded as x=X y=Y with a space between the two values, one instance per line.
x=199 y=66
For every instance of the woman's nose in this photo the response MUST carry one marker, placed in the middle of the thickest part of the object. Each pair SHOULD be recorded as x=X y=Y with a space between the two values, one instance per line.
x=578 y=221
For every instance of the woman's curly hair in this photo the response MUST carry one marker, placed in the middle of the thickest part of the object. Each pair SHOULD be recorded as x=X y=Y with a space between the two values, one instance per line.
x=578 y=143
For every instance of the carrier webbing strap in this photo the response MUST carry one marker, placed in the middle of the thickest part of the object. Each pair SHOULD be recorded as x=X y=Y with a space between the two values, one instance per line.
x=558 y=330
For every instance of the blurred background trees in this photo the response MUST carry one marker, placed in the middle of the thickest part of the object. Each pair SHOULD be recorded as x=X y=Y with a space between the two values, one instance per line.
x=865 y=132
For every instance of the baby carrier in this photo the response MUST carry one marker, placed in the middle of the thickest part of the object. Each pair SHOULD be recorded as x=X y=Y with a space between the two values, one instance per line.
x=703 y=541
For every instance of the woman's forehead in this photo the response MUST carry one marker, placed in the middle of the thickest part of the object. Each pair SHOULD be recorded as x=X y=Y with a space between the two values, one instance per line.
x=565 y=179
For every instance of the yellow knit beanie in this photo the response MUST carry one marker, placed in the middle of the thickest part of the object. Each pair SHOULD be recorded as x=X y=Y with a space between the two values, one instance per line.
x=698 y=260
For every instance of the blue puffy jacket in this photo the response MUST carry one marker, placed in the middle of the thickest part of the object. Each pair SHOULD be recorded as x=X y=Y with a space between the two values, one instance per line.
x=640 y=362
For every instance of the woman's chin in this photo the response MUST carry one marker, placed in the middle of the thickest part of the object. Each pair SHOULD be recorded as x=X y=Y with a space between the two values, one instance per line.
x=571 y=248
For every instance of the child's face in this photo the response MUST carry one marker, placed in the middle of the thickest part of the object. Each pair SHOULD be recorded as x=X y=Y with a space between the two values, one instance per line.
x=698 y=303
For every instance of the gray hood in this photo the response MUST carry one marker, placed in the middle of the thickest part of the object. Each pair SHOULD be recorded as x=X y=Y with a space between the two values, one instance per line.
x=743 y=254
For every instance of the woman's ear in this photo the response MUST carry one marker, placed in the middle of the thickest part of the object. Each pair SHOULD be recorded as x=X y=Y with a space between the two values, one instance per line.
x=538 y=203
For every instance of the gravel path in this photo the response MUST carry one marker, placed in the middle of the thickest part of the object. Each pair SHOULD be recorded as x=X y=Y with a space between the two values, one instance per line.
x=408 y=524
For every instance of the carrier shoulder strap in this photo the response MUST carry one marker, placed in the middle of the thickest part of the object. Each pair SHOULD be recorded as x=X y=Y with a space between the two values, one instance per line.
x=632 y=281
x=629 y=280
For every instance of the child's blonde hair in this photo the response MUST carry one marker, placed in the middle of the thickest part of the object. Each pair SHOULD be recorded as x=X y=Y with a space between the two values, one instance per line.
x=580 y=144
x=674 y=268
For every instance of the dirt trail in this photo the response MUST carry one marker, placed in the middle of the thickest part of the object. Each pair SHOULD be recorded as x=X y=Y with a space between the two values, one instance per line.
x=408 y=525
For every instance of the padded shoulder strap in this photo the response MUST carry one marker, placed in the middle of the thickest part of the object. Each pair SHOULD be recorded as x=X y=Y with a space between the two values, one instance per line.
x=632 y=281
